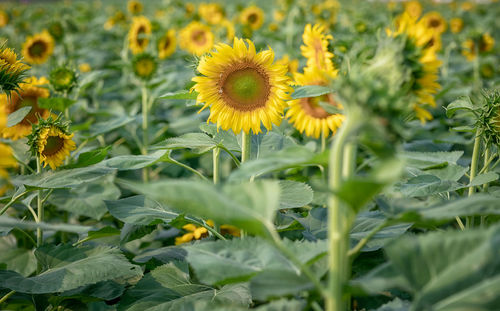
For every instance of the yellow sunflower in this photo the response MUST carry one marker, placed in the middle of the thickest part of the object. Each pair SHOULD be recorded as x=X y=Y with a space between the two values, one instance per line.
x=29 y=93
x=316 y=47
x=471 y=47
x=306 y=114
x=4 y=18
x=84 y=67
x=138 y=35
x=434 y=21
x=413 y=8
x=242 y=88
x=38 y=48
x=456 y=24
x=194 y=232
x=7 y=159
x=134 y=6
x=422 y=61
x=167 y=44
x=196 y=38
x=212 y=13
x=11 y=70
x=53 y=146
x=252 y=17
x=292 y=64
x=229 y=27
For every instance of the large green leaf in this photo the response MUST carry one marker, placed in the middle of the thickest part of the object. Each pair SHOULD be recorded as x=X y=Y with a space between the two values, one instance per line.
x=90 y=157
x=311 y=91
x=134 y=162
x=294 y=194
x=139 y=210
x=110 y=125
x=200 y=142
x=180 y=95
x=67 y=267
x=462 y=103
x=8 y=223
x=18 y=259
x=17 y=116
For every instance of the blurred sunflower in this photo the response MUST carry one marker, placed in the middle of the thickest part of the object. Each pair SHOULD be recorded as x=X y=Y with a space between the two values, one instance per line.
x=253 y=17
x=134 y=7
x=194 y=232
x=38 y=48
x=212 y=13
x=292 y=64
x=28 y=95
x=115 y=19
x=316 y=47
x=242 y=88
x=229 y=27
x=144 y=66
x=51 y=141
x=456 y=24
x=434 y=20
x=138 y=34
x=196 y=38
x=11 y=70
x=84 y=67
x=421 y=59
x=189 y=8
x=413 y=8
x=481 y=44
x=4 y=18
x=62 y=79
x=167 y=44
x=7 y=159
x=56 y=30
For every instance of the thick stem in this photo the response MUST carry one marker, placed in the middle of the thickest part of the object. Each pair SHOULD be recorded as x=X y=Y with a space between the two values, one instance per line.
x=349 y=161
x=246 y=143
x=145 y=138
x=323 y=141
x=473 y=170
x=39 y=232
x=216 y=162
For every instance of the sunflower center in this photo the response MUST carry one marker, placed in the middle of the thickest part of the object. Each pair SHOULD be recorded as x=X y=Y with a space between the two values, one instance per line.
x=199 y=37
x=141 y=33
x=245 y=87
x=37 y=48
x=144 y=67
x=252 y=18
x=63 y=77
x=434 y=23
x=53 y=146
x=167 y=43
x=311 y=105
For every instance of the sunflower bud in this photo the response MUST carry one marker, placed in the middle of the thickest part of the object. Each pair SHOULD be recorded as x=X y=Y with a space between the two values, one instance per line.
x=144 y=66
x=63 y=79
x=489 y=117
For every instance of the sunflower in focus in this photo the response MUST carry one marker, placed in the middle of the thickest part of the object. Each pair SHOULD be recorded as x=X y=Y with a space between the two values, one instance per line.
x=196 y=38
x=252 y=17
x=413 y=8
x=144 y=66
x=28 y=95
x=420 y=56
x=242 y=88
x=212 y=13
x=138 y=35
x=482 y=44
x=11 y=71
x=306 y=114
x=456 y=24
x=52 y=142
x=134 y=7
x=38 y=48
x=4 y=18
x=434 y=21
x=167 y=44
x=315 y=47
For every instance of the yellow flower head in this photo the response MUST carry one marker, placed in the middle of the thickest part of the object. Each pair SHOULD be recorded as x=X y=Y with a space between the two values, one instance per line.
x=413 y=8
x=315 y=47
x=29 y=93
x=229 y=27
x=252 y=17
x=138 y=35
x=167 y=44
x=483 y=44
x=134 y=6
x=306 y=114
x=53 y=145
x=84 y=67
x=212 y=13
x=196 y=38
x=194 y=233
x=38 y=48
x=292 y=64
x=4 y=18
x=435 y=21
x=456 y=24
x=243 y=88
x=11 y=70
x=144 y=66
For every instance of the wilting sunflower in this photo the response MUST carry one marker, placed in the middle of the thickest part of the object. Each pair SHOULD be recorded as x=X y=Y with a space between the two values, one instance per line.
x=252 y=17
x=242 y=88
x=134 y=7
x=316 y=47
x=144 y=66
x=196 y=38
x=167 y=44
x=456 y=24
x=306 y=114
x=434 y=21
x=11 y=71
x=38 y=48
x=420 y=56
x=138 y=35
x=413 y=8
x=482 y=44
x=4 y=18
x=51 y=142
x=62 y=79
x=28 y=95
x=212 y=13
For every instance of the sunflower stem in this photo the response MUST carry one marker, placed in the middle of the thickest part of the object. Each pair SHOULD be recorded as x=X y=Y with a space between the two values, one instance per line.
x=39 y=231
x=323 y=141
x=469 y=221
x=4 y=298
x=246 y=144
x=145 y=138
x=487 y=162
x=216 y=162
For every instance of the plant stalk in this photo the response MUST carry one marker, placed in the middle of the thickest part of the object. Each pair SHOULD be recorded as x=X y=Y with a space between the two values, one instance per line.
x=145 y=138
x=216 y=166
x=246 y=144
x=39 y=232
x=469 y=222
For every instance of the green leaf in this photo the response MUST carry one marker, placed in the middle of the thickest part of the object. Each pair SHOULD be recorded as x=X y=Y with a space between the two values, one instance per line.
x=109 y=125
x=199 y=142
x=102 y=233
x=55 y=103
x=180 y=95
x=423 y=160
x=66 y=268
x=90 y=157
x=294 y=194
x=462 y=103
x=20 y=260
x=17 y=116
x=139 y=210
x=311 y=91
x=134 y=162
x=8 y=223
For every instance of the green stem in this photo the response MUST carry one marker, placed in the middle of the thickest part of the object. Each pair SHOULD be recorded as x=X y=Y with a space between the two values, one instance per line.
x=323 y=141
x=349 y=163
x=212 y=230
x=246 y=144
x=487 y=161
x=473 y=170
x=189 y=168
x=12 y=201
x=216 y=162
x=356 y=249
x=145 y=138
x=39 y=232
x=4 y=298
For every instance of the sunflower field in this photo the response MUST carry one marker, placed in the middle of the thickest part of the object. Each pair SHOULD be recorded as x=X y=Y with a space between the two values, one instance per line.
x=280 y=155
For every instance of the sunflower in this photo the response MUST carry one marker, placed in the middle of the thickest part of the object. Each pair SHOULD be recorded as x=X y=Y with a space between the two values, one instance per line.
x=242 y=88
x=420 y=56
x=134 y=7
x=413 y=8
x=229 y=27
x=482 y=44
x=7 y=159
x=292 y=64
x=144 y=66
x=212 y=13
x=196 y=38
x=4 y=18
x=28 y=95
x=456 y=24
x=306 y=114
x=11 y=70
x=252 y=17
x=167 y=44
x=138 y=35
x=316 y=47
x=62 y=79
x=434 y=21
x=38 y=48
x=51 y=141
x=84 y=67
x=194 y=232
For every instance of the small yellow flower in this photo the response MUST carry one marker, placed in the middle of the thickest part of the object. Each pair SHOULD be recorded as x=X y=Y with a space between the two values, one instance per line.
x=138 y=35
x=11 y=70
x=252 y=17
x=84 y=67
x=196 y=38
x=456 y=24
x=144 y=66
x=315 y=47
x=434 y=21
x=483 y=44
x=194 y=233
x=229 y=27
x=38 y=48
x=134 y=6
x=212 y=13
x=413 y=8
x=167 y=44
x=4 y=18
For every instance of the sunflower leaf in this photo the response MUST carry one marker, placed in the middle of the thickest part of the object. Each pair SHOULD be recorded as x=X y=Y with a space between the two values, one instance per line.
x=17 y=116
x=311 y=91
x=180 y=95
x=56 y=103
